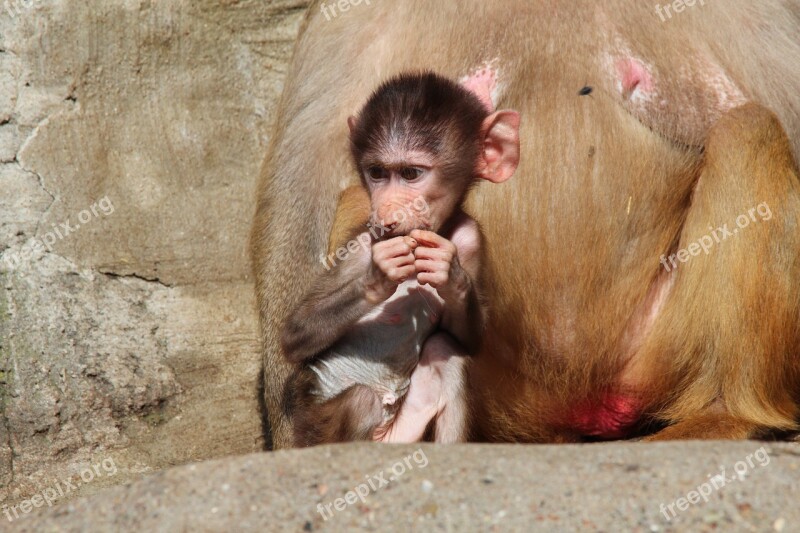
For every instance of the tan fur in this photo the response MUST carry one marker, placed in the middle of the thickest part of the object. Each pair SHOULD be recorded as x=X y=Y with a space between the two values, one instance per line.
x=746 y=358
x=573 y=242
x=352 y=215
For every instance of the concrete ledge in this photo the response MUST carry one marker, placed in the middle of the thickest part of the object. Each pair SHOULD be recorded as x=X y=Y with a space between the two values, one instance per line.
x=600 y=487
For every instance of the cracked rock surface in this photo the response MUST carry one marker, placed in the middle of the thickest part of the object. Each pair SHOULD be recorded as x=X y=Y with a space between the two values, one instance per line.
x=131 y=134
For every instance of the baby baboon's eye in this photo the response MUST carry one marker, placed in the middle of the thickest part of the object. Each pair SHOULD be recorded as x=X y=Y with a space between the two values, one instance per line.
x=410 y=173
x=377 y=173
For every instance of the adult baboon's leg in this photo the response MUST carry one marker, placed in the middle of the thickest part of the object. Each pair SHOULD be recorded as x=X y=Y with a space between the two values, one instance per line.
x=727 y=339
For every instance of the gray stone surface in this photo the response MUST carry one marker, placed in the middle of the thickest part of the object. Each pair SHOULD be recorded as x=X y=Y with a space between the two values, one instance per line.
x=132 y=336
x=602 y=487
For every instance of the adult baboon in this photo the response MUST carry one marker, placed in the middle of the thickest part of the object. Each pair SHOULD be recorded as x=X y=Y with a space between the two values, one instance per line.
x=643 y=262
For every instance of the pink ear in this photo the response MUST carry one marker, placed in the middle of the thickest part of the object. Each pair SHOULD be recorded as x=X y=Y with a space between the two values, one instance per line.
x=500 y=156
x=351 y=123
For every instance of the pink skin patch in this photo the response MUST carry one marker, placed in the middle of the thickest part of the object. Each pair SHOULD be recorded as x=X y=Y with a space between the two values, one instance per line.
x=608 y=417
x=681 y=102
x=611 y=414
x=420 y=406
x=633 y=75
x=482 y=84
x=393 y=319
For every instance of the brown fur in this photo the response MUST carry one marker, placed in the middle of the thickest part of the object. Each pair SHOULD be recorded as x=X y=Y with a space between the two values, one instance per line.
x=352 y=415
x=573 y=242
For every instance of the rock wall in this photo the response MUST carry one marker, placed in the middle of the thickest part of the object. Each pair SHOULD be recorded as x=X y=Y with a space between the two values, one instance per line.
x=131 y=134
